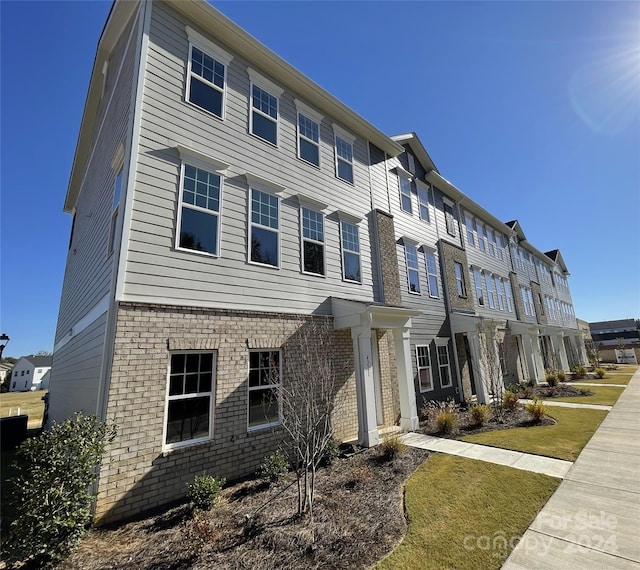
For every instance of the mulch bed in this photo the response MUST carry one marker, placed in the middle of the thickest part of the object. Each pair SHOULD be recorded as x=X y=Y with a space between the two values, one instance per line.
x=562 y=390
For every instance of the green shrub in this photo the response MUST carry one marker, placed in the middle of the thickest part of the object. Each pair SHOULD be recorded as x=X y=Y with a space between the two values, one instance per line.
x=479 y=414
x=510 y=401
x=446 y=421
x=331 y=451
x=580 y=371
x=391 y=446
x=515 y=388
x=536 y=409
x=561 y=375
x=274 y=467
x=52 y=498
x=205 y=490
x=599 y=372
x=551 y=378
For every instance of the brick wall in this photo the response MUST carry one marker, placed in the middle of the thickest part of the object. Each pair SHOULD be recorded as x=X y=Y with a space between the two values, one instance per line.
x=450 y=255
x=388 y=259
x=540 y=309
x=517 y=296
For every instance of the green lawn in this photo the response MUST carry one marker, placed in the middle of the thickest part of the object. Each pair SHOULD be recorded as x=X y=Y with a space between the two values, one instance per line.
x=458 y=506
x=604 y=395
x=30 y=403
x=564 y=440
x=609 y=378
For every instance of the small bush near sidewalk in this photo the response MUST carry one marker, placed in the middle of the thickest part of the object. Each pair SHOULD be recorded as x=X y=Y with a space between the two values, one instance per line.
x=51 y=499
x=551 y=378
x=599 y=372
x=536 y=409
x=510 y=401
x=204 y=491
x=580 y=372
x=391 y=447
x=444 y=417
x=479 y=414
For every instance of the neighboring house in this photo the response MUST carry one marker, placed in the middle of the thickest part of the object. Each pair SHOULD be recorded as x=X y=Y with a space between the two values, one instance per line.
x=223 y=204
x=5 y=372
x=620 y=334
x=29 y=372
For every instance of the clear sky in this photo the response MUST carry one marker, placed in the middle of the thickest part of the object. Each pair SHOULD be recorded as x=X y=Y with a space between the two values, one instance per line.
x=530 y=108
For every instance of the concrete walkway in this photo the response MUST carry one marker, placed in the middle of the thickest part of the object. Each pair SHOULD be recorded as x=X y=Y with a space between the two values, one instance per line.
x=596 y=384
x=592 y=521
x=516 y=459
x=550 y=402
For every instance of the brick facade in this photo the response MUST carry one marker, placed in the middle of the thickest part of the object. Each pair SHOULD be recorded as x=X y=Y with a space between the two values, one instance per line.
x=450 y=255
x=537 y=302
x=390 y=274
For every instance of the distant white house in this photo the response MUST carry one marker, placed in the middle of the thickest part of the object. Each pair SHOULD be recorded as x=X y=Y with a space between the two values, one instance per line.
x=31 y=373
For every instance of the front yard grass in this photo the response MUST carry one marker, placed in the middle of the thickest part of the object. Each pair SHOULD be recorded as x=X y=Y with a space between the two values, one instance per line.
x=30 y=403
x=603 y=395
x=460 y=510
x=564 y=440
x=609 y=378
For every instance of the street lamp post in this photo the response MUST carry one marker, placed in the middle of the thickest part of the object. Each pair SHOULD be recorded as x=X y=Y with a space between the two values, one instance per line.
x=4 y=340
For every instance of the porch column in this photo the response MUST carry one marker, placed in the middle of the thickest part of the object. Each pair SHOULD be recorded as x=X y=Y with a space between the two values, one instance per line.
x=528 y=348
x=558 y=346
x=365 y=387
x=406 y=388
x=479 y=372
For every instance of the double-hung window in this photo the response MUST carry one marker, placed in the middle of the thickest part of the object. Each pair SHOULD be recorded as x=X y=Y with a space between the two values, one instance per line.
x=263 y=119
x=312 y=241
x=492 y=241
x=265 y=376
x=423 y=361
x=206 y=77
x=460 y=282
x=350 y=252
x=490 y=289
x=344 y=154
x=443 y=365
x=432 y=273
x=308 y=134
x=264 y=233
x=199 y=212
x=413 y=274
x=477 y=280
x=404 y=184
x=481 y=237
x=500 y=291
x=450 y=219
x=423 y=202
x=499 y=245
x=470 y=223
x=189 y=405
x=508 y=295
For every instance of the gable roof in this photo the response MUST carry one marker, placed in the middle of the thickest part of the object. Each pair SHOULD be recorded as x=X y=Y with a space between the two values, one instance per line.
x=556 y=256
x=517 y=228
x=418 y=149
x=39 y=361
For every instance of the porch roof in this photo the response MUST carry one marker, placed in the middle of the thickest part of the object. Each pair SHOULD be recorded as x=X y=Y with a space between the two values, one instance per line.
x=349 y=314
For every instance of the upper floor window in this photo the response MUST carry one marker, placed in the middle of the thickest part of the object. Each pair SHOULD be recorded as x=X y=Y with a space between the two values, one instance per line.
x=264 y=233
x=500 y=292
x=344 y=155
x=460 y=282
x=508 y=295
x=265 y=373
x=308 y=133
x=423 y=362
x=350 y=252
x=206 y=78
x=450 y=219
x=404 y=184
x=423 y=202
x=312 y=241
x=432 y=273
x=199 y=214
x=470 y=223
x=413 y=275
x=482 y=240
x=491 y=291
x=492 y=241
x=499 y=245
x=477 y=279
x=263 y=119
x=527 y=301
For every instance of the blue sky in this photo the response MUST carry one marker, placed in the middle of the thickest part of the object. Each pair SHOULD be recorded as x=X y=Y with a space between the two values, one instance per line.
x=530 y=108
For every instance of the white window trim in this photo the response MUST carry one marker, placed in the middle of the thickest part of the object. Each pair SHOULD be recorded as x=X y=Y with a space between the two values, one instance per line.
x=275 y=194
x=429 y=368
x=509 y=295
x=478 y=285
x=212 y=394
x=444 y=343
x=460 y=280
x=449 y=218
x=427 y=251
x=261 y=427
x=200 y=159
x=351 y=221
x=272 y=89
x=202 y=165
x=422 y=186
x=117 y=166
x=350 y=139
x=408 y=245
x=491 y=292
x=308 y=206
x=499 y=292
x=404 y=176
x=304 y=109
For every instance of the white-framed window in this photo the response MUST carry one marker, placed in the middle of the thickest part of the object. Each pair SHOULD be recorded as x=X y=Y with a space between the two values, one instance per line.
x=450 y=219
x=423 y=362
x=115 y=210
x=344 y=154
x=499 y=246
x=199 y=210
x=264 y=230
x=477 y=280
x=413 y=270
x=350 y=238
x=308 y=134
x=190 y=398
x=432 y=273
x=508 y=295
x=470 y=223
x=264 y=111
x=265 y=376
x=527 y=301
x=482 y=238
x=444 y=367
x=500 y=292
x=411 y=163
x=312 y=223
x=423 y=202
x=460 y=281
x=541 y=302
x=404 y=185
x=491 y=291
x=491 y=238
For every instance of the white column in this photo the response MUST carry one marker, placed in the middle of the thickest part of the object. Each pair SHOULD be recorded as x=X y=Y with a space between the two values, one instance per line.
x=406 y=388
x=528 y=348
x=558 y=346
x=479 y=374
x=365 y=387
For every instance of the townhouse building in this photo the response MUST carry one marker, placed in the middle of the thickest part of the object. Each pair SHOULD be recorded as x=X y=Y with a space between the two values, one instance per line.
x=224 y=206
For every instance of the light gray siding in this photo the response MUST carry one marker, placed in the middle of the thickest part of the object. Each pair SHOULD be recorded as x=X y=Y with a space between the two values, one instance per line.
x=155 y=270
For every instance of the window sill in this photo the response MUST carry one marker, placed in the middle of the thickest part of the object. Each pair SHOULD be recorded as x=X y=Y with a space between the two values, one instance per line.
x=185 y=446
x=196 y=252
x=265 y=265
x=262 y=427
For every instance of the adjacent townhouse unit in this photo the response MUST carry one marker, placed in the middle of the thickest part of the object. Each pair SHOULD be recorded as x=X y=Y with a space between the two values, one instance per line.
x=227 y=214
x=31 y=373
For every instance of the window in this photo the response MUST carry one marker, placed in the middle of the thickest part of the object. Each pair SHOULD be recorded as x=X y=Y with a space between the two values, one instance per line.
x=22 y=373
x=264 y=383
x=540 y=301
x=482 y=239
x=265 y=223
x=413 y=276
x=423 y=203
x=115 y=208
x=499 y=246
x=344 y=154
x=312 y=241
x=490 y=290
x=424 y=368
x=460 y=284
x=500 y=291
x=199 y=210
x=411 y=163
x=432 y=273
x=350 y=252
x=527 y=301
x=308 y=140
x=477 y=280
x=16 y=373
x=508 y=294
x=450 y=219
x=443 y=366
x=405 y=193
x=188 y=412
x=264 y=115
x=492 y=241
x=469 y=223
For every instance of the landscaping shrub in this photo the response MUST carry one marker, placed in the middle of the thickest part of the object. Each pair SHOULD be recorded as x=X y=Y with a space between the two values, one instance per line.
x=561 y=375
x=515 y=388
x=510 y=401
x=527 y=392
x=551 y=378
x=52 y=498
x=205 y=490
x=391 y=447
x=536 y=409
x=479 y=414
x=532 y=383
x=274 y=467
x=331 y=451
x=599 y=372
x=446 y=421
x=580 y=371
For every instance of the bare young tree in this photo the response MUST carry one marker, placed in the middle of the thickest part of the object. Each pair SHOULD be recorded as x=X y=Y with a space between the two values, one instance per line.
x=308 y=396
x=493 y=356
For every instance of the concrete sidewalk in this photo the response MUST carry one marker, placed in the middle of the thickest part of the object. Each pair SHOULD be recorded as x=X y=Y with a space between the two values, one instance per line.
x=550 y=402
x=592 y=521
